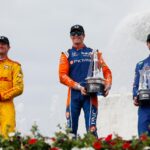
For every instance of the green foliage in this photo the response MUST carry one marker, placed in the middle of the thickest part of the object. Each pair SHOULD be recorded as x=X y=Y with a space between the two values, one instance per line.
x=65 y=140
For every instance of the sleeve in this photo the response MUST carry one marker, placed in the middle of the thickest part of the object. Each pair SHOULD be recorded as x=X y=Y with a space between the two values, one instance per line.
x=106 y=71
x=64 y=72
x=17 y=88
x=136 y=81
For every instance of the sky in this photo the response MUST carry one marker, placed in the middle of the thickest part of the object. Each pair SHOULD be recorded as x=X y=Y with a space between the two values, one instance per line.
x=38 y=31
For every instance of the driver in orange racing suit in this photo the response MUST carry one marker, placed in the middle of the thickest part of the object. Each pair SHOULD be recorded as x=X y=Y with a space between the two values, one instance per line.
x=73 y=70
x=11 y=85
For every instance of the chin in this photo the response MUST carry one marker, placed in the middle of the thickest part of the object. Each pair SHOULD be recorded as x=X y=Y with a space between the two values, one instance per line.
x=2 y=53
x=78 y=43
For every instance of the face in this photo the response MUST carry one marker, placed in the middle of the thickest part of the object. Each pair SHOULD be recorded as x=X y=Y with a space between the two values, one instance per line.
x=148 y=44
x=77 y=39
x=4 y=48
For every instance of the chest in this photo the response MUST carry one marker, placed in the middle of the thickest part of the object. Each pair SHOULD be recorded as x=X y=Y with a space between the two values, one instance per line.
x=79 y=58
x=5 y=72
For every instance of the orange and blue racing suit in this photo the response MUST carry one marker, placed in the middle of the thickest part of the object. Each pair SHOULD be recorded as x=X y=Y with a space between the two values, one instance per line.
x=11 y=85
x=73 y=70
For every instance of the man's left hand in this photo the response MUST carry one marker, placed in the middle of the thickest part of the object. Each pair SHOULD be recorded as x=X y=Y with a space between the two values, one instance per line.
x=107 y=88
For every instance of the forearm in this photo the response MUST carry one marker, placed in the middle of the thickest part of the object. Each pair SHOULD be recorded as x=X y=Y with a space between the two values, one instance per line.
x=66 y=80
x=135 y=91
x=107 y=75
x=11 y=93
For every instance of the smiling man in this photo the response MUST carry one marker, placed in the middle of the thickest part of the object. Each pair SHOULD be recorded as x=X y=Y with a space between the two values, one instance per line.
x=73 y=70
x=11 y=85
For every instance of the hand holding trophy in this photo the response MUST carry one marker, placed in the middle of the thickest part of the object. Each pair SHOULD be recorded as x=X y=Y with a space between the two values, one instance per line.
x=94 y=83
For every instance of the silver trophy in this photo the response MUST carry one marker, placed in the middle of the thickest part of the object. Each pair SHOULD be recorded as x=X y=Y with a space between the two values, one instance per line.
x=94 y=82
x=144 y=87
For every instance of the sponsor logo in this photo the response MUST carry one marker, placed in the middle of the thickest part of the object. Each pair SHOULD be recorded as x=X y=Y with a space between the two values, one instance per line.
x=86 y=54
x=7 y=67
x=71 y=62
x=82 y=60
x=93 y=117
x=74 y=54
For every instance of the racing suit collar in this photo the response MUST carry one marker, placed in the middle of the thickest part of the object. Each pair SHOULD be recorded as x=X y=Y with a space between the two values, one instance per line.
x=84 y=46
x=3 y=59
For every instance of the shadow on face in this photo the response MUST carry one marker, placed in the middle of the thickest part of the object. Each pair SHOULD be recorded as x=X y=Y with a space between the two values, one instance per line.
x=4 y=48
x=77 y=40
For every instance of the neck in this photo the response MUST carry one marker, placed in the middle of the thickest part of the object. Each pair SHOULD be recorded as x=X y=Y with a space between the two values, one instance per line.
x=78 y=46
x=2 y=57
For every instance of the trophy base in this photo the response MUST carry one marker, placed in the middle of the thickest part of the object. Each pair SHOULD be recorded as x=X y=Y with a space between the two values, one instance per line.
x=95 y=85
x=144 y=97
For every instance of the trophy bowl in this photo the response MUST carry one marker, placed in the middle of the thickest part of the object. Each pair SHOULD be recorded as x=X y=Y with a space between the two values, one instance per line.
x=144 y=97
x=95 y=85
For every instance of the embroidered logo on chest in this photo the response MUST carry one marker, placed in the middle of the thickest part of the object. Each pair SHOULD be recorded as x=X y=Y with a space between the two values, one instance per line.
x=74 y=54
x=7 y=67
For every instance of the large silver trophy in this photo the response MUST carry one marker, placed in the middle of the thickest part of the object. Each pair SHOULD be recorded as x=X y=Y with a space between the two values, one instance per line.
x=94 y=82
x=144 y=87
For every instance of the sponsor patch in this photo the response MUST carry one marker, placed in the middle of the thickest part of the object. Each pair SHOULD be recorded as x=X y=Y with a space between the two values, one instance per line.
x=71 y=62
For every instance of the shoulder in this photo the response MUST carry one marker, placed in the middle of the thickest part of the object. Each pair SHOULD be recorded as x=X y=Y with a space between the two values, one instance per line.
x=89 y=49
x=142 y=61
x=99 y=51
x=140 y=64
x=13 y=62
x=66 y=53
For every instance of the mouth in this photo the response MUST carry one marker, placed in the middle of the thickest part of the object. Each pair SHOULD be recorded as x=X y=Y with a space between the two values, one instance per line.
x=77 y=38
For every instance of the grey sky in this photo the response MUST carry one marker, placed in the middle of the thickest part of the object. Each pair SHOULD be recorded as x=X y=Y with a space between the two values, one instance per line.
x=39 y=30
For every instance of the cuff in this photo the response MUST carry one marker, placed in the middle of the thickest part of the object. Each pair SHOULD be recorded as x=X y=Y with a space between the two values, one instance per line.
x=77 y=86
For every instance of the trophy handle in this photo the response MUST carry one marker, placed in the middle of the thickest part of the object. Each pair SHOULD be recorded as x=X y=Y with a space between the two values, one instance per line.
x=99 y=60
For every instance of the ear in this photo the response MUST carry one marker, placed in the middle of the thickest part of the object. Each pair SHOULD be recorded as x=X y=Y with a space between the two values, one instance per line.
x=84 y=36
x=148 y=42
x=9 y=47
x=70 y=37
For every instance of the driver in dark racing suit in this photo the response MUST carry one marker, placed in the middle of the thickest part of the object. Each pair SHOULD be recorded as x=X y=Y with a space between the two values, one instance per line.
x=143 y=111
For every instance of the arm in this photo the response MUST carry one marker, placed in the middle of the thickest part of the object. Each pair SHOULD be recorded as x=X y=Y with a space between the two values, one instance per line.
x=136 y=82
x=64 y=73
x=106 y=71
x=17 y=87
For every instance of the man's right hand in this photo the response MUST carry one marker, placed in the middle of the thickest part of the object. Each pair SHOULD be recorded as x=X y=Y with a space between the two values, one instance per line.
x=83 y=90
x=136 y=102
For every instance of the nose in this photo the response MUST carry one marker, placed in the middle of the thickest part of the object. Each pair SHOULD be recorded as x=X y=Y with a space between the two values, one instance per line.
x=76 y=35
